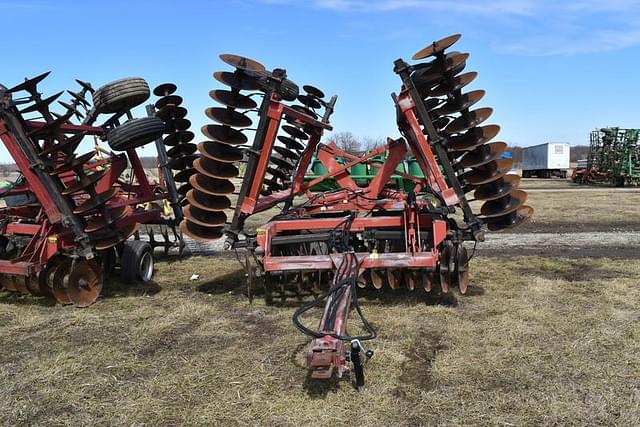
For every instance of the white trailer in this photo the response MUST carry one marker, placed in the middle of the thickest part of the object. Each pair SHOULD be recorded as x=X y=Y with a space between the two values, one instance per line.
x=546 y=160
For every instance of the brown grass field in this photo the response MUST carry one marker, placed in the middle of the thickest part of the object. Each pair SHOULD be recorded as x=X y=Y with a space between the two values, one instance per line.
x=537 y=341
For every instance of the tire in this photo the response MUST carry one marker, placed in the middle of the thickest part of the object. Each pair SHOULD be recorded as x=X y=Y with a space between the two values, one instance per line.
x=121 y=95
x=135 y=133
x=136 y=262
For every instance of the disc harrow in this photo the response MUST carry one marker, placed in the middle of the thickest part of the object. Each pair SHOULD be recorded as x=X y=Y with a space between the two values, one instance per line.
x=79 y=208
x=350 y=225
x=477 y=162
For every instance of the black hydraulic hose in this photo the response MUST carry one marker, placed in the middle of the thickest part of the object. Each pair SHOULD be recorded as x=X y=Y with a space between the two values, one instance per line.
x=340 y=286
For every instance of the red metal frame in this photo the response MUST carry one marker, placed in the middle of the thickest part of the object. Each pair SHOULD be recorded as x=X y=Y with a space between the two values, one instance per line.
x=404 y=213
x=49 y=236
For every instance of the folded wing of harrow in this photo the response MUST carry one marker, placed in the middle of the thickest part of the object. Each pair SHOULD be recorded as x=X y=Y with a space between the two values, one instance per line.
x=77 y=210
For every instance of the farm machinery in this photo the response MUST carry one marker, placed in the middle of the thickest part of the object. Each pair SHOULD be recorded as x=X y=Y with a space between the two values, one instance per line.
x=68 y=218
x=614 y=158
x=324 y=243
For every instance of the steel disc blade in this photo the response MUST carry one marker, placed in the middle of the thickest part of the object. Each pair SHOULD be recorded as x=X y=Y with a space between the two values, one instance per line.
x=84 y=283
x=272 y=184
x=178 y=137
x=184 y=175
x=441 y=123
x=182 y=149
x=377 y=278
x=472 y=138
x=79 y=99
x=295 y=132
x=238 y=80
x=101 y=222
x=168 y=100
x=504 y=205
x=290 y=143
x=59 y=277
x=488 y=173
x=498 y=188
x=6 y=283
x=286 y=153
x=198 y=232
x=411 y=279
x=482 y=155
x=208 y=202
x=212 y=186
x=42 y=103
x=84 y=183
x=429 y=76
x=220 y=152
x=227 y=116
x=184 y=161
x=462 y=269
x=445 y=268
x=232 y=99
x=310 y=101
x=281 y=163
x=511 y=220
x=436 y=47
x=215 y=169
x=224 y=134
x=203 y=217
x=165 y=89
x=171 y=112
x=314 y=91
x=20 y=284
x=241 y=62
x=277 y=173
x=304 y=110
x=469 y=120
x=427 y=281
x=67 y=146
x=29 y=84
x=95 y=201
x=38 y=286
x=123 y=234
x=431 y=103
x=177 y=125
x=184 y=189
x=73 y=163
x=463 y=102
x=393 y=278
x=458 y=83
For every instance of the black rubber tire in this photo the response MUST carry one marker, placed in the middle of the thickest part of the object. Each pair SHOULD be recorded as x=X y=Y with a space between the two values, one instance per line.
x=121 y=95
x=134 y=253
x=135 y=133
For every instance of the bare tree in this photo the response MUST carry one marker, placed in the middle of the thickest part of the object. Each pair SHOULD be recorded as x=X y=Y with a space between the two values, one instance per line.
x=347 y=142
x=370 y=143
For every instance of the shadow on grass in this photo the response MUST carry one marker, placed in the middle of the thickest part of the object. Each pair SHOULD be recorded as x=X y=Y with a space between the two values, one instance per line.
x=235 y=283
x=16 y=298
x=114 y=288
x=320 y=389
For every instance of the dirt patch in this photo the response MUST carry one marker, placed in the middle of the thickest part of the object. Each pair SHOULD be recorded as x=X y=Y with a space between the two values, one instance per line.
x=613 y=252
x=570 y=272
x=416 y=370
x=576 y=227
x=168 y=340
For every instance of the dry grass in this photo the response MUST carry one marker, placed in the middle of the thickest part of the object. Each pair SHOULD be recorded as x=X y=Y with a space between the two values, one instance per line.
x=538 y=341
x=586 y=207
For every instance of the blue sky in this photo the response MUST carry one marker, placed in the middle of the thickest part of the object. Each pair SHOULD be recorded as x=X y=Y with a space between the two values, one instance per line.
x=552 y=70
